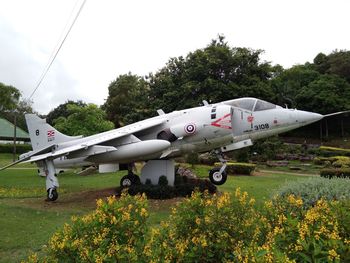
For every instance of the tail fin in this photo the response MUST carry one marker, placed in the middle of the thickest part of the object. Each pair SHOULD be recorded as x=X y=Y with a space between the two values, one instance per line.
x=42 y=134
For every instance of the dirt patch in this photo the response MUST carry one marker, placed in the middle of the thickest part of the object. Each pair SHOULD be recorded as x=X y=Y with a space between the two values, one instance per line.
x=84 y=201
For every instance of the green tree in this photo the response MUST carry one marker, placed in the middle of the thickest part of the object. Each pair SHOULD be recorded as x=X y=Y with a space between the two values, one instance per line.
x=62 y=110
x=83 y=120
x=9 y=97
x=326 y=94
x=127 y=100
x=215 y=73
x=287 y=85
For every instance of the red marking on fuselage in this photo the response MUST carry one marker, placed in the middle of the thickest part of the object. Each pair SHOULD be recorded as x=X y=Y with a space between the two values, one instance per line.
x=223 y=122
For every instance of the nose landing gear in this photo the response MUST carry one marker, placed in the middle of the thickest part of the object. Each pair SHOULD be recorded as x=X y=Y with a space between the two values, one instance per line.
x=218 y=176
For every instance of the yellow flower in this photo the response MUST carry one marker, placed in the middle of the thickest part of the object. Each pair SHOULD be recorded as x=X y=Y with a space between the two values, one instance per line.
x=333 y=255
x=198 y=221
x=143 y=212
x=99 y=203
x=110 y=200
x=125 y=216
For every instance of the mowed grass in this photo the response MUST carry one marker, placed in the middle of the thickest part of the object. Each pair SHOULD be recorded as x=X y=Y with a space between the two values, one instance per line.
x=27 y=221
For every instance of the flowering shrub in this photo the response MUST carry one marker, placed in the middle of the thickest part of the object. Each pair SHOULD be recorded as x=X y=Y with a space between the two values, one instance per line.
x=115 y=231
x=207 y=228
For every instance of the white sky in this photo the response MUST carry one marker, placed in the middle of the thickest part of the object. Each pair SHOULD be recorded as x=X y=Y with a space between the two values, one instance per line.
x=114 y=37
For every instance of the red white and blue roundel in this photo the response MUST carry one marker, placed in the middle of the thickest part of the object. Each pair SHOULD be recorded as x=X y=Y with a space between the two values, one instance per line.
x=190 y=128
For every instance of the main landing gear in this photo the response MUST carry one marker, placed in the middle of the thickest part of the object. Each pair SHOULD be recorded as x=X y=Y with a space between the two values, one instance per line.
x=51 y=180
x=130 y=178
x=218 y=176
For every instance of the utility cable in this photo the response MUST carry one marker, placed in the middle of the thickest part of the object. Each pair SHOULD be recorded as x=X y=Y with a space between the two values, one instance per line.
x=53 y=57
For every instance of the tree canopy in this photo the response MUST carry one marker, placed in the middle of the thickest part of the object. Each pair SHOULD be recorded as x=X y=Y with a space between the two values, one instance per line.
x=127 y=100
x=83 y=120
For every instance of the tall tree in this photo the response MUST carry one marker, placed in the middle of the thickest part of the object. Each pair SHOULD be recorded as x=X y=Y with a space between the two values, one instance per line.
x=127 y=100
x=215 y=73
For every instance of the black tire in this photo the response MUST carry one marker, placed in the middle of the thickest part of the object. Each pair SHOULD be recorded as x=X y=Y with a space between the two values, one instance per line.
x=216 y=178
x=52 y=194
x=127 y=180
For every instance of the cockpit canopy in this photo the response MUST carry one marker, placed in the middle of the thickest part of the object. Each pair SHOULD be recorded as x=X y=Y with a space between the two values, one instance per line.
x=251 y=104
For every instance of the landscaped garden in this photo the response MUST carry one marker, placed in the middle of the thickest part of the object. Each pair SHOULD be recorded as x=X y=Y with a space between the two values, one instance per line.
x=275 y=215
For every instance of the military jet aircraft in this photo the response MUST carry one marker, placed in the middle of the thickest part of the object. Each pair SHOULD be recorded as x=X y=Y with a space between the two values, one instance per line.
x=219 y=127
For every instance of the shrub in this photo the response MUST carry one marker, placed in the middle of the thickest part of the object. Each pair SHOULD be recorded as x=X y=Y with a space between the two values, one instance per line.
x=183 y=187
x=335 y=172
x=309 y=234
x=335 y=161
x=332 y=151
x=239 y=168
x=207 y=228
x=163 y=180
x=114 y=232
x=312 y=190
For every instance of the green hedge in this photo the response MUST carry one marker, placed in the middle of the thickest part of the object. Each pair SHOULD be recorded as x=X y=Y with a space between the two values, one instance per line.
x=183 y=187
x=20 y=148
x=335 y=161
x=332 y=151
x=335 y=172
x=239 y=168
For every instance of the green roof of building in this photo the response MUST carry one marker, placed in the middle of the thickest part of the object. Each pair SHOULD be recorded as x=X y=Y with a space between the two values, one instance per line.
x=7 y=131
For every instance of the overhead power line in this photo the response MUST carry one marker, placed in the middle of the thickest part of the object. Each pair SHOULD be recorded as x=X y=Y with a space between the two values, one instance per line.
x=58 y=47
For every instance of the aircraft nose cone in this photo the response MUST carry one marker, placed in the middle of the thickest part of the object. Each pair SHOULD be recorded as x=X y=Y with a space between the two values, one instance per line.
x=307 y=117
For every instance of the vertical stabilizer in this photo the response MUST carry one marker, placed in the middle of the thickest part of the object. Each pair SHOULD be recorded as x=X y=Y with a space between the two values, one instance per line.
x=42 y=134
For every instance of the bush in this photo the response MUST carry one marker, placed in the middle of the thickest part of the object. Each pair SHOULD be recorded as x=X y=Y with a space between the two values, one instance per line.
x=335 y=172
x=207 y=228
x=20 y=148
x=335 y=161
x=312 y=190
x=239 y=168
x=163 y=180
x=332 y=151
x=183 y=187
x=114 y=232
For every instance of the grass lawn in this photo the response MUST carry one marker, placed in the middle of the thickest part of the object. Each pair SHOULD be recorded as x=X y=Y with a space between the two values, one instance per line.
x=27 y=221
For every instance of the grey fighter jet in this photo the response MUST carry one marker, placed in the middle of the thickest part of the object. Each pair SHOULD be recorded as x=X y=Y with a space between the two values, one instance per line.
x=220 y=127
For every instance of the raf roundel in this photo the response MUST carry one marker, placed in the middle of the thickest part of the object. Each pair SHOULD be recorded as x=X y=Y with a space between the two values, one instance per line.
x=190 y=128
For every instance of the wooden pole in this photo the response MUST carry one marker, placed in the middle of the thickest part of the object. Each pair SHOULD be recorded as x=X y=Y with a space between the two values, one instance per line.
x=14 y=138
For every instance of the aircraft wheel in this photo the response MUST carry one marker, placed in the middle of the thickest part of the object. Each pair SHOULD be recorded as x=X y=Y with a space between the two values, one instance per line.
x=127 y=181
x=52 y=194
x=217 y=178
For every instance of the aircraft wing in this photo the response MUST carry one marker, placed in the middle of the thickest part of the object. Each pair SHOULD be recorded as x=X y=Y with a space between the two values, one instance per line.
x=90 y=143
x=27 y=156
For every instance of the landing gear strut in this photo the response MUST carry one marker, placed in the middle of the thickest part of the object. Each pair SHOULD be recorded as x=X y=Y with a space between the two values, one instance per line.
x=51 y=180
x=218 y=176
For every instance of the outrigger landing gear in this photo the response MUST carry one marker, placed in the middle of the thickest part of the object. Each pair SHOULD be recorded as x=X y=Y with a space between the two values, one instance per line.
x=218 y=176
x=130 y=178
x=51 y=180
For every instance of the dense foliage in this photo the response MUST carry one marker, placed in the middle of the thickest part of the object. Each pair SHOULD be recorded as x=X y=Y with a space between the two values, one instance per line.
x=206 y=228
x=83 y=120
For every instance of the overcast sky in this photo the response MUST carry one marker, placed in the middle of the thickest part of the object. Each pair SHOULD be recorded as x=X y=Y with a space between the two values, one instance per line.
x=114 y=37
